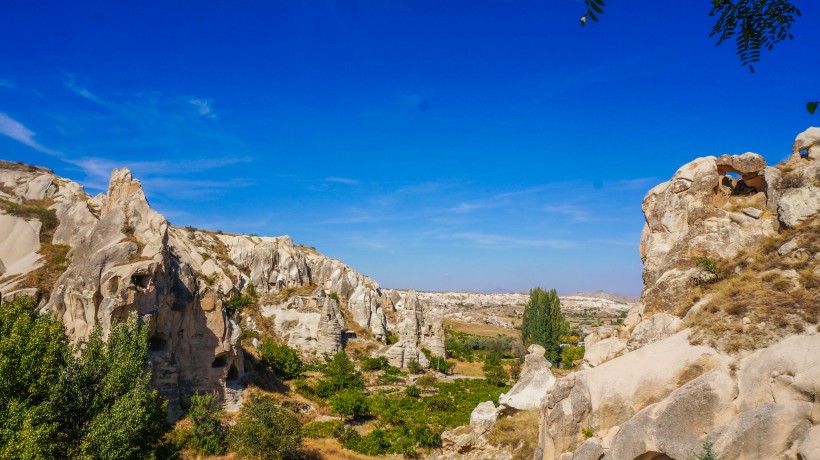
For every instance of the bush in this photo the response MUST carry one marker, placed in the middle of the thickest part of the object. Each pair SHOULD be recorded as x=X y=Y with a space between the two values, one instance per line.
x=349 y=403
x=341 y=373
x=570 y=354
x=236 y=303
x=414 y=367
x=284 y=361
x=207 y=433
x=707 y=452
x=412 y=391
x=265 y=431
x=440 y=364
x=374 y=364
x=494 y=372
x=321 y=430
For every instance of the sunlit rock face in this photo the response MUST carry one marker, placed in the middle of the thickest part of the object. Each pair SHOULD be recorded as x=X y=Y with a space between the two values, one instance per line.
x=647 y=392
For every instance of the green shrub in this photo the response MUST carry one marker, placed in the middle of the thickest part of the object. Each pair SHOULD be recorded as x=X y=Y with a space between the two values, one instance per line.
x=588 y=432
x=494 y=371
x=414 y=367
x=438 y=363
x=333 y=295
x=236 y=303
x=341 y=373
x=349 y=403
x=374 y=364
x=707 y=452
x=412 y=391
x=391 y=338
x=284 y=361
x=321 y=430
x=265 y=430
x=207 y=433
x=570 y=354
x=387 y=379
x=426 y=381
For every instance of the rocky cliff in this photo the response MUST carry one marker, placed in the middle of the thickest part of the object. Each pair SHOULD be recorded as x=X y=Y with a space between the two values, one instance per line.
x=94 y=260
x=724 y=346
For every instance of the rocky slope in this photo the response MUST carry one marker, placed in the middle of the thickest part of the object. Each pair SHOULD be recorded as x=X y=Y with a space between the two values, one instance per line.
x=94 y=260
x=724 y=346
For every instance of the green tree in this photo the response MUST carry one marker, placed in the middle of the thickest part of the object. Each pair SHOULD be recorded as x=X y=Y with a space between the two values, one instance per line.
x=543 y=323
x=494 y=371
x=707 y=452
x=94 y=403
x=207 y=432
x=265 y=431
x=285 y=361
x=349 y=403
x=341 y=373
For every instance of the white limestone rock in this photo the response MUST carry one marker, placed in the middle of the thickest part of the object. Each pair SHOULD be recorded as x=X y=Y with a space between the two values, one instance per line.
x=535 y=382
x=799 y=204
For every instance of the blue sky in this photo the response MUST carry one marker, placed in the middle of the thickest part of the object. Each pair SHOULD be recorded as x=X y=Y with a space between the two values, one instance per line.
x=436 y=145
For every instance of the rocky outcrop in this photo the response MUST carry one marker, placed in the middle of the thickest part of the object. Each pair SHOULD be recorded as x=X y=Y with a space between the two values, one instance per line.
x=653 y=394
x=311 y=325
x=421 y=328
x=693 y=215
x=125 y=258
x=535 y=382
x=809 y=142
x=125 y=264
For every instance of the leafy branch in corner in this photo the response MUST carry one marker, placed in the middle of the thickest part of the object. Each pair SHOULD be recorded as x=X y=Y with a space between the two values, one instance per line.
x=754 y=24
x=593 y=6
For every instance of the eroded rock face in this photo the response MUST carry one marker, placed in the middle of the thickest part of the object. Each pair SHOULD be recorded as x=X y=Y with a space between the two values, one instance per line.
x=691 y=216
x=535 y=382
x=420 y=327
x=311 y=325
x=665 y=397
x=125 y=264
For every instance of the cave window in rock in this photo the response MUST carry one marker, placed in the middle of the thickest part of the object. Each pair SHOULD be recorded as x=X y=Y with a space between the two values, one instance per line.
x=220 y=361
x=734 y=183
x=157 y=343
x=654 y=456
x=140 y=280
x=233 y=372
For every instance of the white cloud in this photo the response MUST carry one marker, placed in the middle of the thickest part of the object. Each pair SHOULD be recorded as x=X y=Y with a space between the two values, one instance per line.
x=203 y=107
x=573 y=212
x=6 y=84
x=15 y=130
x=492 y=240
x=341 y=180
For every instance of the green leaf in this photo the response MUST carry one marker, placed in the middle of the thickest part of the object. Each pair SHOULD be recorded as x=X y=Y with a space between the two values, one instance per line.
x=812 y=106
x=596 y=8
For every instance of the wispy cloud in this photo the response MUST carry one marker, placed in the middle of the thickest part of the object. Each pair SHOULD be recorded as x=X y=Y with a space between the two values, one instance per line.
x=203 y=107
x=341 y=180
x=17 y=131
x=493 y=240
x=6 y=84
x=575 y=213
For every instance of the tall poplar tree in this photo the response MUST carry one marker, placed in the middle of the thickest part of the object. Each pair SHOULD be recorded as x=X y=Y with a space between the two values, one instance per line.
x=543 y=322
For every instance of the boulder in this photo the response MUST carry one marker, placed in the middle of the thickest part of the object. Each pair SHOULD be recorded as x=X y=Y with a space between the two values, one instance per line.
x=798 y=204
x=656 y=327
x=591 y=449
x=535 y=382
x=766 y=431
x=806 y=141
x=484 y=414
x=674 y=425
x=604 y=350
x=810 y=445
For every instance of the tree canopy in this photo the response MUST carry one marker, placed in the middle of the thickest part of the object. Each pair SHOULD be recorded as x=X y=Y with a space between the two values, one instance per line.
x=543 y=322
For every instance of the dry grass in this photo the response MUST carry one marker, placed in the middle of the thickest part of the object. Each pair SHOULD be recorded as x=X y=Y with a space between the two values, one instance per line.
x=486 y=330
x=20 y=166
x=55 y=262
x=331 y=449
x=518 y=433
x=467 y=368
x=763 y=288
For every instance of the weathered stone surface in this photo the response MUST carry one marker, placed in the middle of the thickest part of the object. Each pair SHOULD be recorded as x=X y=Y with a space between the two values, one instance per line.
x=124 y=265
x=591 y=449
x=656 y=327
x=311 y=325
x=420 y=327
x=19 y=243
x=484 y=414
x=612 y=393
x=604 y=350
x=766 y=431
x=798 y=204
x=753 y=212
x=683 y=222
x=535 y=382
x=810 y=445
x=805 y=141
x=674 y=425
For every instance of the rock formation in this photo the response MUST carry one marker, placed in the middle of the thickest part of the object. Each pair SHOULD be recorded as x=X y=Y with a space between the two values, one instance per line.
x=535 y=382
x=653 y=393
x=420 y=328
x=113 y=255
